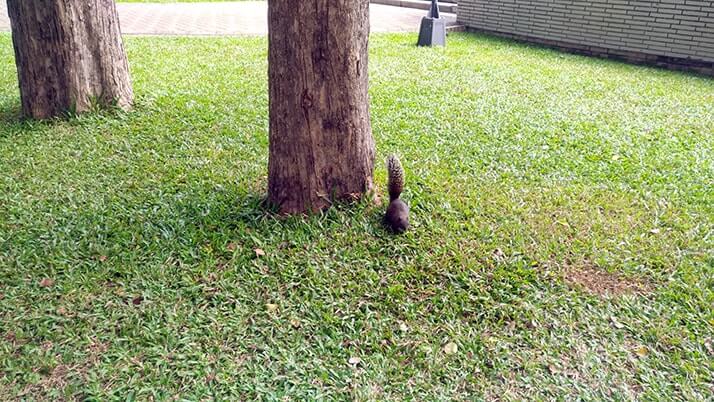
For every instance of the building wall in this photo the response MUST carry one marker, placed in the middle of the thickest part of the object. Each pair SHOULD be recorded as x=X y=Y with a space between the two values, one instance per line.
x=669 y=33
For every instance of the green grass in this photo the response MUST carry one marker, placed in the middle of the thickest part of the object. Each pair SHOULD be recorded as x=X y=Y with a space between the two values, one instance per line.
x=525 y=167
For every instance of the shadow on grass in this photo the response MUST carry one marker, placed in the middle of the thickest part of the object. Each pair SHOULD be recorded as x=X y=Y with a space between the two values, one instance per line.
x=10 y=113
x=691 y=69
x=169 y=226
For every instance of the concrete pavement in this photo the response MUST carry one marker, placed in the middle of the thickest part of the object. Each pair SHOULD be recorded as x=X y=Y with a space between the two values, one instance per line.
x=231 y=18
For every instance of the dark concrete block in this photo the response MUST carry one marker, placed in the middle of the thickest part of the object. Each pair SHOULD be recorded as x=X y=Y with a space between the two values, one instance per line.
x=432 y=32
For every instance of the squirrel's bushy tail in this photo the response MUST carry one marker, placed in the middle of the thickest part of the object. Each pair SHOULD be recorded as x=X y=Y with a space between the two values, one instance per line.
x=396 y=177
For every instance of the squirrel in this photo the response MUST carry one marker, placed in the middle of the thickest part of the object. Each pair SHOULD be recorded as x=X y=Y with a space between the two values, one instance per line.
x=397 y=216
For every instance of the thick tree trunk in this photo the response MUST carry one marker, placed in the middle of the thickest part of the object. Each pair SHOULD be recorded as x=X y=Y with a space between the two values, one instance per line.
x=321 y=146
x=69 y=56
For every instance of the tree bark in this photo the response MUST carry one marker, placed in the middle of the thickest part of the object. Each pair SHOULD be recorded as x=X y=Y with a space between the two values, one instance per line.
x=69 y=56
x=321 y=146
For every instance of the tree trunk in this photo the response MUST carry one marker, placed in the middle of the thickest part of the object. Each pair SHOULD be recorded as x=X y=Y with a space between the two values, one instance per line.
x=321 y=146
x=69 y=56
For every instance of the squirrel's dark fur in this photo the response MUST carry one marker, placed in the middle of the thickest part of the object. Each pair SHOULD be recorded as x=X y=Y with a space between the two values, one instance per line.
x=397 y=216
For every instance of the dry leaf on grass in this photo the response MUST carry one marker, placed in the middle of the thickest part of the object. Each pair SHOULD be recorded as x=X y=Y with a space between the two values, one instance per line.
x=451 y=348
x=615 y=323
x=642 y=351
x=47 y=282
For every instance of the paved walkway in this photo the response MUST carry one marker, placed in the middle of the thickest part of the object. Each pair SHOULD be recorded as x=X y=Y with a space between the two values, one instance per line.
x=231 y=18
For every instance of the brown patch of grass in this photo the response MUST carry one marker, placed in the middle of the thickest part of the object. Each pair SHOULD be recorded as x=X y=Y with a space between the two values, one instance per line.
x=602 y=283
x=62 y=374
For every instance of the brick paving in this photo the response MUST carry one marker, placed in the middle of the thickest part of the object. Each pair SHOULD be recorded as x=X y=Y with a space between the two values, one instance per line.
x=230 y=18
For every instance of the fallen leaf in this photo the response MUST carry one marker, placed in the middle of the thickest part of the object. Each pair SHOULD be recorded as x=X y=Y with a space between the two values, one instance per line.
x=259 y=252
x=47 y=282
x=451 y=348
x=355 y=361
x=137 y=300
x=10 y=336
x=616 y=323
x=232 y=246
x=642 y=351
x=210 y=377
x=271 y=307
x=563 y=223
x=709 y=346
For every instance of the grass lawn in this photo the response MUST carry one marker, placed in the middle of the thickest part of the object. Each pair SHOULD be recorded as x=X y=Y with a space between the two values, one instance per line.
x=562 y=247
